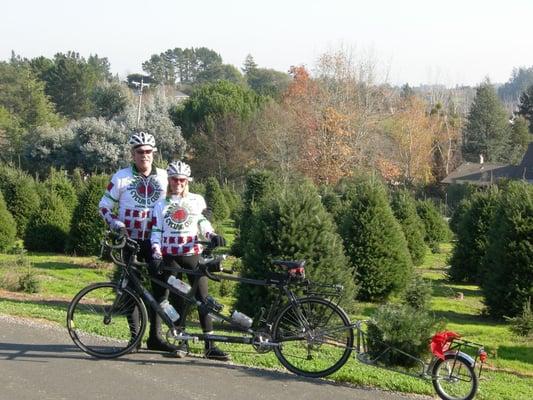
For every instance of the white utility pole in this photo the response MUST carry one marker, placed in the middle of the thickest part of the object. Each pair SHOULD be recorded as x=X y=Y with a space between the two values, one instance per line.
x=140 y=85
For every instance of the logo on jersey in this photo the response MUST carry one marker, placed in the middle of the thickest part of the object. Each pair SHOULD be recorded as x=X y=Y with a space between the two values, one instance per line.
x=145 y=192
x=178 y=217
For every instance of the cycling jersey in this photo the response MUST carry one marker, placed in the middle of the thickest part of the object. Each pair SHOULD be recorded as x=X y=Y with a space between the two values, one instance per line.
x=178 y=224
x=135 y=195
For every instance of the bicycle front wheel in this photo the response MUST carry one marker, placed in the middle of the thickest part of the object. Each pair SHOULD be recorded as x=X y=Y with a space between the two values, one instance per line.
x=106 y=324
x=315 y=337
x=454 y=378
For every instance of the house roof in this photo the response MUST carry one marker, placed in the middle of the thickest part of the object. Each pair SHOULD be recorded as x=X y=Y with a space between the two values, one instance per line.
x=181 y=95
x=488 y=173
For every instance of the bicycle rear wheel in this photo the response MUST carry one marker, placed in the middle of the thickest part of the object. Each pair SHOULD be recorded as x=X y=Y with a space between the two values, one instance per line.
x=315 y=337
x=454 y=378
x=105 y=324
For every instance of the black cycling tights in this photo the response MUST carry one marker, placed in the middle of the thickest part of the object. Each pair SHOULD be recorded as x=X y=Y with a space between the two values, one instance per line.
x=190 y=262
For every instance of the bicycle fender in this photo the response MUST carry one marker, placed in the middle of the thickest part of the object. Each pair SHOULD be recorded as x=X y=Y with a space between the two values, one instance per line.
x=460 y=354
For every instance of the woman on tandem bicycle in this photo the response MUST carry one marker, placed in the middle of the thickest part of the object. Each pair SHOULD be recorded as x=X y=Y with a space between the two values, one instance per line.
x=177 y=224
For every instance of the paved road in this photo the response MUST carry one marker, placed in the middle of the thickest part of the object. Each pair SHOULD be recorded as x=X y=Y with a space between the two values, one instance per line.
x=40 y=362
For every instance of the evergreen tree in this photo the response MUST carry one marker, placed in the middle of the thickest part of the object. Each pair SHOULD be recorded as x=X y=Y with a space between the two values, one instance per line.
x=197 y=187
x=402 y=327
x=88 y=227
x=456 y=192
x=508 y=266
x=268 y=82
x=519 y=140
x=110 y=99
x=218 y=72
x=435 y=226
x=48 y=228
x=233 y=200
x=215 y=200
x=404 y=208
x=71 y=81
x=8 y=228
x=293 y=225
x=210 y=102
x=458 y=214
x=472 y=237
x=20 y=195
x=23 y=106
x=260 y=186
x=520 y=80
x=407 y=92
x=525 y=107
x=487 y=131
x=249 y=65
x=374 y=242
x=330 y=199
x=78 y=180
x=59 y=183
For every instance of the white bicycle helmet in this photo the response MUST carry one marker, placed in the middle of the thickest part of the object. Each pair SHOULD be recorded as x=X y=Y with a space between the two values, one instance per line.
x=179 y=168
x=141 y=139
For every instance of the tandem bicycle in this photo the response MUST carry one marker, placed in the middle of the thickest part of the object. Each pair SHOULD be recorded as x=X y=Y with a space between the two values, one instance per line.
x=304 y=325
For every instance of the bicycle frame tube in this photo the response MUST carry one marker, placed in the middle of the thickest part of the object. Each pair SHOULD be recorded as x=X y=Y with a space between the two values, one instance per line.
x=190 y=301
x=148 y=297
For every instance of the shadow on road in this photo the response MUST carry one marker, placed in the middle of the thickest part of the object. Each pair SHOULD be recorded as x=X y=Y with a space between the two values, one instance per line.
x=42 y=353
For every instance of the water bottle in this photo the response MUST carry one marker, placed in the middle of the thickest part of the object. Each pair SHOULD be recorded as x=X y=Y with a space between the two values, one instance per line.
x=169 y=310
x=241 y=319
x=179 y=284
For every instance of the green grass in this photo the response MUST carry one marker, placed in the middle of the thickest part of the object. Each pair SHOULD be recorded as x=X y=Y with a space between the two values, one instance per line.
x=510 y=356
x=506 y=350
x=60 y=276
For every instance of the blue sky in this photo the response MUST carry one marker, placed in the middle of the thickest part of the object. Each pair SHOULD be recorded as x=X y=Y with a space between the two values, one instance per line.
x=448 y=42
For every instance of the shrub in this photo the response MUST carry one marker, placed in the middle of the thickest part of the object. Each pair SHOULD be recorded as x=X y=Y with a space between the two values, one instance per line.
x=293 y=225
x=374 y=241
x=17 y=248
x=507 y=269
x=522 y=325
x=404 y=208
x=215 y=200
x=402 y=327
x=29 y=282
x=20 y=195
x=435 y=226
x=472 y=237
x=48 y=228
x=8 y=229
x=418 y=293
x=88 y=227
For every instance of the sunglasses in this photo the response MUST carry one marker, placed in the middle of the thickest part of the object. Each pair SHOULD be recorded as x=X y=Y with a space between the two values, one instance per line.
x=150 y=151
x=179 y=180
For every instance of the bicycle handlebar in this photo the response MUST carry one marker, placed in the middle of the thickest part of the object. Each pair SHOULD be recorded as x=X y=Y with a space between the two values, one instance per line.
x=209 y=264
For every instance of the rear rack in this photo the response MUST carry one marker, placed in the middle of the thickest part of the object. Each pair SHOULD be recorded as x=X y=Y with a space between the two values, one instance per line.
x=323 y=289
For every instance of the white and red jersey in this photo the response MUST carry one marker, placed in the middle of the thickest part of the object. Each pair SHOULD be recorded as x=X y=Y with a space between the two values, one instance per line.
x=179 y=224
x=135 y=195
